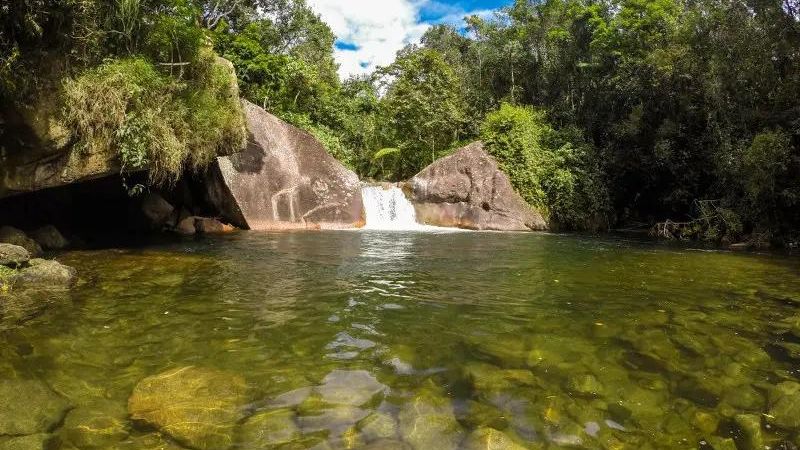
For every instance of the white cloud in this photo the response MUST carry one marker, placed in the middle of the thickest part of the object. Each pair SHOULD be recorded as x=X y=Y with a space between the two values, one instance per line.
x=377 y=29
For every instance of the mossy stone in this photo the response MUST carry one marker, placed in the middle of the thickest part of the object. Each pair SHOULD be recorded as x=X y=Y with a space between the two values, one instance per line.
x=269 y=429
x=198 y=407
x=720 y=443
x=29 y=407
x=387 y=444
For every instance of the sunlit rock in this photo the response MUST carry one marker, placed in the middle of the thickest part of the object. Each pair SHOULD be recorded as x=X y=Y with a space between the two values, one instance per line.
x=490 y=439
x=269 y=429
x=467 y=189
x=283 y=179
x=199 y=407
x=427 y=422
x=29 y=407
x=99 y=425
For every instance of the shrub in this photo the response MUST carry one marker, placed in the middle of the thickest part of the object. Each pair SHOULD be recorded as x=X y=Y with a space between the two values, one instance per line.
x=154 y=121
x=554 y=170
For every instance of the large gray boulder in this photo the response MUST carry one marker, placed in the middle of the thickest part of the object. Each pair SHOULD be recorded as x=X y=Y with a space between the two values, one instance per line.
x=284 y=179
x=468 y=190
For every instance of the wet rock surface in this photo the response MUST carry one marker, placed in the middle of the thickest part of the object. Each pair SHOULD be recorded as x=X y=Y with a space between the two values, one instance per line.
x=284 y=179
x=47 y=274
x=468 y=190
x=197 y=406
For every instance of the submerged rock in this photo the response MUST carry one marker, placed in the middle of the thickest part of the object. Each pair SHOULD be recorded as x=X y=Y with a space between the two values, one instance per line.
x=349 y=387
x=49 y=238
x=99 y=425
x=784 y=406
x=31 y=442
x=750 y=428
x=269 y=429
x=387 y=444
x=11 y=235
x=29 y=407
x=490 y=439
x=428 y=422
x=198 y=407
x=378 y=426
x=283 y=179
x=13 y=255
x=47 y=274
x=467 y=189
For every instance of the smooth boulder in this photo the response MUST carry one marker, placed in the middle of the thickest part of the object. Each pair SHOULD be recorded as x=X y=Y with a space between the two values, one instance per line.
x=283 y=179
x=14 y=236
x=198 y=407
x=13 y=255
x=468 y=190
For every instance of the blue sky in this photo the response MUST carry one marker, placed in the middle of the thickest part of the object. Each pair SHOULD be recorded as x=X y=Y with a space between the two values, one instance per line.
x=370 y=32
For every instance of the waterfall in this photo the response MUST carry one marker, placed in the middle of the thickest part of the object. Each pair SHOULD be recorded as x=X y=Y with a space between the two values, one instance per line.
x=388 y=209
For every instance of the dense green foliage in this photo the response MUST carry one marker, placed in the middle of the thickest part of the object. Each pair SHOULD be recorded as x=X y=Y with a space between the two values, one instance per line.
x=623 y=113
x=135 y=76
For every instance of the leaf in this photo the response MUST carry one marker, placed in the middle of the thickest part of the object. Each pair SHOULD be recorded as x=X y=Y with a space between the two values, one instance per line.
x=384 y=152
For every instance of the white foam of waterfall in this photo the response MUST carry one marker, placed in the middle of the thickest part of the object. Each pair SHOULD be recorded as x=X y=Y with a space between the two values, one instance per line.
x=388 y=209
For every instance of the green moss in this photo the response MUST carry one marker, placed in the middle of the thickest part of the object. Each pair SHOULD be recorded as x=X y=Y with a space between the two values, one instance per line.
x=7 y=276
x=154 y=121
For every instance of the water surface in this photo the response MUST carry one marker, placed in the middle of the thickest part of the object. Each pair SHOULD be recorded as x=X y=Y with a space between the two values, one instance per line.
x=557 y=341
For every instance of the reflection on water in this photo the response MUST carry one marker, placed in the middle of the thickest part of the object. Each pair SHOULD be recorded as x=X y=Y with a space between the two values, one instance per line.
x=411 y=340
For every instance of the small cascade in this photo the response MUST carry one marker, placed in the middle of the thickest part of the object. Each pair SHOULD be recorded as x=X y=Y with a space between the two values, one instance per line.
x=388 y=209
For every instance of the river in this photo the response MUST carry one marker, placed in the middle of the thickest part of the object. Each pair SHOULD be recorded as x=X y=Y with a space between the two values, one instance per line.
x=553 y=340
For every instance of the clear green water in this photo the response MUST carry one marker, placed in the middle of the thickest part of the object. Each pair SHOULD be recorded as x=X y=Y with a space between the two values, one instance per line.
x=557 y=341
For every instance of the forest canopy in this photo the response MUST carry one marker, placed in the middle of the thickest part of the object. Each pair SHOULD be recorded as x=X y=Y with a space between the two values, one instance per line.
x=616 y=113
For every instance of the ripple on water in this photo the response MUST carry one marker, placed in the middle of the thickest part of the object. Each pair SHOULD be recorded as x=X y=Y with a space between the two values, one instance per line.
x=398 y=340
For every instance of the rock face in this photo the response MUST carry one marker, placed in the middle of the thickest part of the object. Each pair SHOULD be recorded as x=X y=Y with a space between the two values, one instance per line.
x=198 y=407
x=284 y=179
x=468 y=190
